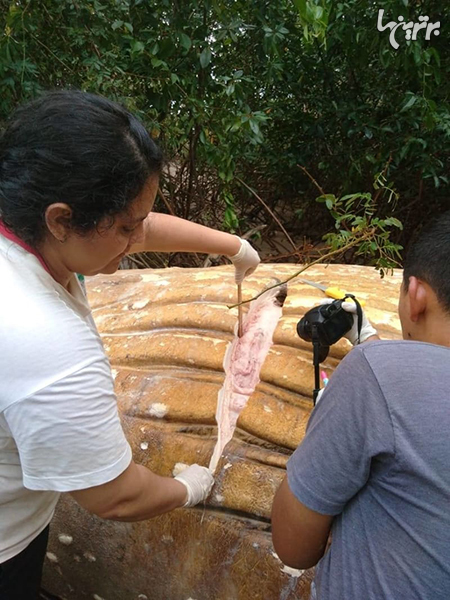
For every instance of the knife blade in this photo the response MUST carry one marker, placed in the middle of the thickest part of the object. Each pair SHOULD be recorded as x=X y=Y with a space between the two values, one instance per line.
x=330 y=291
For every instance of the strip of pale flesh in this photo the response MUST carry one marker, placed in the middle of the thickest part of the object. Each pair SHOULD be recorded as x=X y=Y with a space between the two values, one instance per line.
x=243 y=361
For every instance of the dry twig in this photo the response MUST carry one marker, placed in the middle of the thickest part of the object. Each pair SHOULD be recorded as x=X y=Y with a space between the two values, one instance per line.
x=272 y=214
x=306 y=172
x=366 y=235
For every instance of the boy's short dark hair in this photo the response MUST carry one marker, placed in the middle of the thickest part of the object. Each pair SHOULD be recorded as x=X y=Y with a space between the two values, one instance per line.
x=77 y=148
x=429 y=258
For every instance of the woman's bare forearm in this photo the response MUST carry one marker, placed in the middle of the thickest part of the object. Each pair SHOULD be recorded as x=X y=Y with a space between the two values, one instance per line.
x=137 y=494
x=166 y=233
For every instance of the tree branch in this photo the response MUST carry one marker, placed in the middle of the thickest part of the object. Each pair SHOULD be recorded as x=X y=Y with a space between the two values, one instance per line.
x=272 y=214
x=366 y=235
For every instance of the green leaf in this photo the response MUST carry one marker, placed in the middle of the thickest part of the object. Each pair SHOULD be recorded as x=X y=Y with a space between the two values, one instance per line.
x=230 y=89
x=205 y=58
x=326 y=197
x=350 y=197
x=185 y=41
x=412 y=100
x=235 y=126
x=393 y=221
x=231 y=220
x=300 y=6
x=138 y=47
x=156 y=62
x=254 y=126
x=317 y=12
x=154 y=49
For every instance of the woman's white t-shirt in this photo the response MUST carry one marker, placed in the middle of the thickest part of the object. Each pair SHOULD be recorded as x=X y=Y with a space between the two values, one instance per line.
x=59 y=424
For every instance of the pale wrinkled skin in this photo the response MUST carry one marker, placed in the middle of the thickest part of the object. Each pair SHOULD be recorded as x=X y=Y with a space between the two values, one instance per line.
x=242 y=364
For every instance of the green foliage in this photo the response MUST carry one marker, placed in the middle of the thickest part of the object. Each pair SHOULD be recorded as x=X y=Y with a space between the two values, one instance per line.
x=356 y=219
x=360 y=102
x=251 y=89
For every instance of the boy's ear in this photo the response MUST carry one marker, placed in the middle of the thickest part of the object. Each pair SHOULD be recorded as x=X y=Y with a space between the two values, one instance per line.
x=418 y=298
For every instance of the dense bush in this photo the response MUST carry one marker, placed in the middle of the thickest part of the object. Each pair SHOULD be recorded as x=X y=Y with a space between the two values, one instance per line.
x=244 y=93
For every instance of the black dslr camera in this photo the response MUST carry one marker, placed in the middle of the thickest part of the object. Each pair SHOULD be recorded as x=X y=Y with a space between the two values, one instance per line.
x=324 y=325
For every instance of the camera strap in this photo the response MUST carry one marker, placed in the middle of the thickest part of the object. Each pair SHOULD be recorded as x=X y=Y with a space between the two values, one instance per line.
x=359 y=313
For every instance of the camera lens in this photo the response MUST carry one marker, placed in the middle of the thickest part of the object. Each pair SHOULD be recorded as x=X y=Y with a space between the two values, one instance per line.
x=304 y=329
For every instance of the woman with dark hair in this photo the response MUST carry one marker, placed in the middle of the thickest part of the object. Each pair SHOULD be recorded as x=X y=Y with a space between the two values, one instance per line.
x=78 y=180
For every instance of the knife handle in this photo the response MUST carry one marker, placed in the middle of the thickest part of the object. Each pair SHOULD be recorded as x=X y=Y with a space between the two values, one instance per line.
x=239 y=298
x=338 y=294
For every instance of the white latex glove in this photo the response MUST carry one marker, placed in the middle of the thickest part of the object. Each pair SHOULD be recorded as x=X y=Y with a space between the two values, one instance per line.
x=366 y=328
x=245 y=261
x=198 y=481
x=319 y=395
